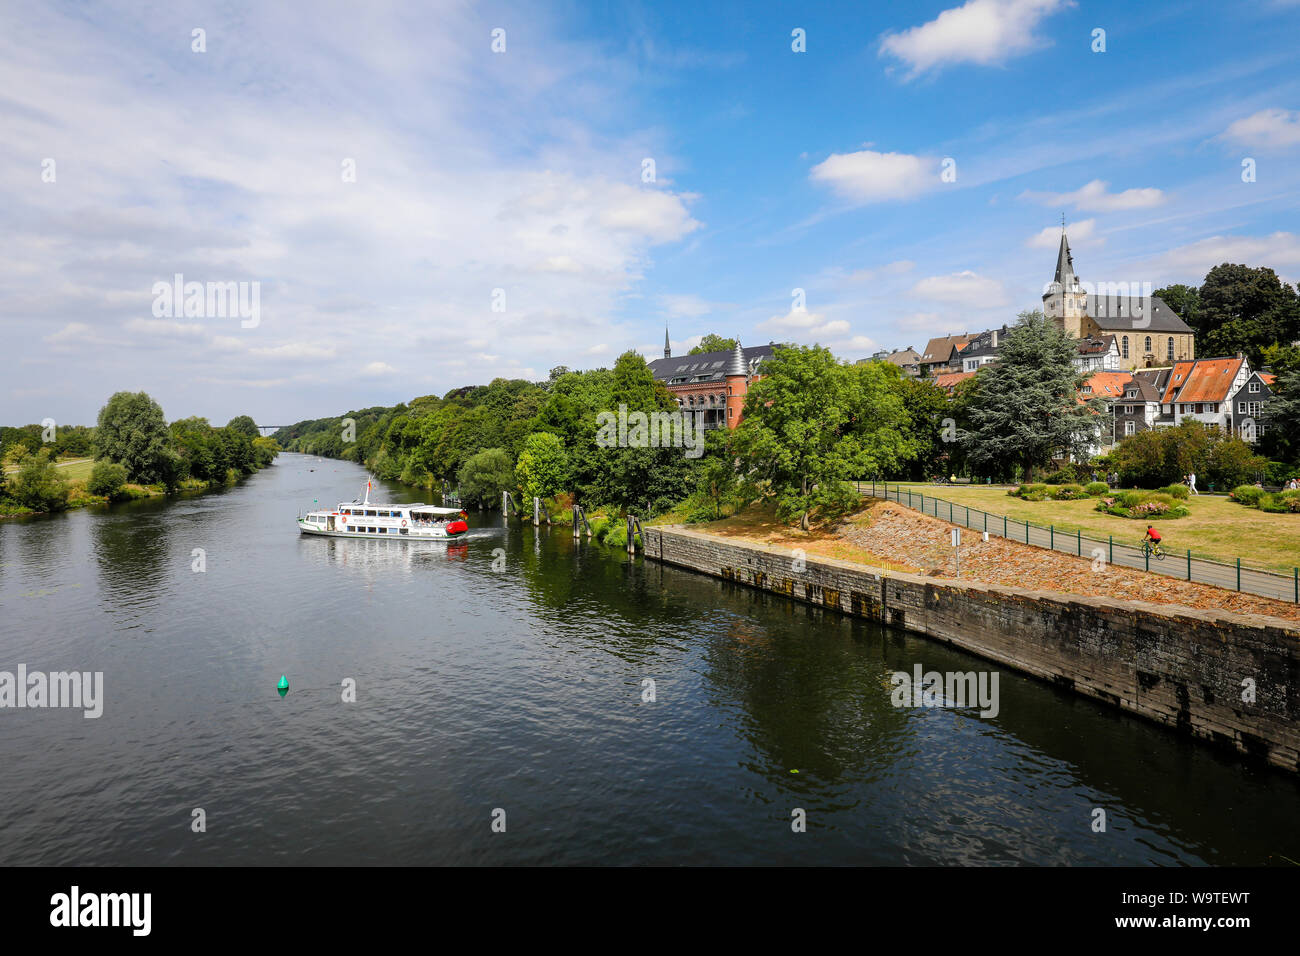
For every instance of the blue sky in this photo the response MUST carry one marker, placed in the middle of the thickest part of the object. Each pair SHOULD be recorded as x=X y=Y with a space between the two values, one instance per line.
x=521 y=171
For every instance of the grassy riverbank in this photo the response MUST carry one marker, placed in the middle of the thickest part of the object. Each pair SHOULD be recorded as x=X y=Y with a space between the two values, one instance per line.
x=1217 y=527
x=79 y=497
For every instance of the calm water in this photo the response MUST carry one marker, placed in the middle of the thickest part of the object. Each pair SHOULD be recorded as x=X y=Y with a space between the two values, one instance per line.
x=521 y=689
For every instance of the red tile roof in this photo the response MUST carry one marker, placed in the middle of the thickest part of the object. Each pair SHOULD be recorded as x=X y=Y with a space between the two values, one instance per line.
x=950 y=380
x=1202 y=380
x=1106 y=384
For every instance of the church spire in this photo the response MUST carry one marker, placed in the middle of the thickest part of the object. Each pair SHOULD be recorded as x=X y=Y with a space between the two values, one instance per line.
x=1064 y=264
x=668 y=351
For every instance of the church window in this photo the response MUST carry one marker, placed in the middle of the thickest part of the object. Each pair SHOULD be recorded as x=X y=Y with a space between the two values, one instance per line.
x=1125 y=346
x=1171 y=348
x=1148 y=343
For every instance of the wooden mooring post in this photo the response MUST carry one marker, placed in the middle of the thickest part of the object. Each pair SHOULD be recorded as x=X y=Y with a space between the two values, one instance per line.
x=537 y=512
x=580 y=521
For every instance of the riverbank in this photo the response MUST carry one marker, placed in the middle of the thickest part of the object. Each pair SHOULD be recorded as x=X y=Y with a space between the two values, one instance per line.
x=1217 y=675
x=79 y=497
x=887 y=536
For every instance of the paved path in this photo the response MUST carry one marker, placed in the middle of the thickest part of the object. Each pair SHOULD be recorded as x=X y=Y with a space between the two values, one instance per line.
x=57 y=464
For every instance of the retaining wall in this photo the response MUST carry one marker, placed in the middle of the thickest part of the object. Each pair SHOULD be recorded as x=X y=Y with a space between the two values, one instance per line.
x=1181 y=667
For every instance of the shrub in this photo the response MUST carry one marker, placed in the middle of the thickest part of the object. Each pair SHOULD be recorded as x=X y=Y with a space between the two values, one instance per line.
x=1142 y=504
x=1176 y=491
x=1067 y=493
x=1034 y=492
x=1095 y=488
x=38 y=484
x=107 y=479
x=1283 y=502
x=1247 y=495
x=616 y=534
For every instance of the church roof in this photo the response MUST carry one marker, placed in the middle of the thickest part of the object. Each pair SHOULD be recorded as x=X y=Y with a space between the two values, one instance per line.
x=1134 y=314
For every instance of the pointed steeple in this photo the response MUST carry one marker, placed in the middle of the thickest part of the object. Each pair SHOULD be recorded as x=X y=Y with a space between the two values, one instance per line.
x=1064 y=264
x=737 y=365
x=668 y=351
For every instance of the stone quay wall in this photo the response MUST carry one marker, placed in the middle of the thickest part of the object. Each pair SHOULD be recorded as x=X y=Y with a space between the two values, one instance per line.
x=1184 y=668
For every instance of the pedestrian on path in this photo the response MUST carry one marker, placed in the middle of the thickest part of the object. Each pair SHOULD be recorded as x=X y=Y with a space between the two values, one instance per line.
x=1191 y=483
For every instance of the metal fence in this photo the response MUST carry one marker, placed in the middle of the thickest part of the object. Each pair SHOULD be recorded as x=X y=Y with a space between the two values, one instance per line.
x=1182 y=565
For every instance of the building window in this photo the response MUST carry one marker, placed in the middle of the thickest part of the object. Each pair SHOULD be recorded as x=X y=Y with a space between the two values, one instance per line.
x=1254 y=387
x=1148 y=344
x=1171 y=348
x=1129 y=428
x=1125 y=346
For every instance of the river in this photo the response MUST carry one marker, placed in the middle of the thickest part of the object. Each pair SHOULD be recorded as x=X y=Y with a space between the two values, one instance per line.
x=506 y=672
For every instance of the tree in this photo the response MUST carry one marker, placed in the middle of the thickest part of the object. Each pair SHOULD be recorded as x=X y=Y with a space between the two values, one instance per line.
x=811 y=423
x=543 y=468
x=714 y=343
x=38 y=484
x=486 y=475
x=1185 y=300
x=1281 y=438
x=106 y=479
x=132 y=430
x=1025 y=407
x=244 y=425
x=1245 y=310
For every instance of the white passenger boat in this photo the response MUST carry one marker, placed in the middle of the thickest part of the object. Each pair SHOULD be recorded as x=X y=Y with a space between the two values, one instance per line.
x=365 y=519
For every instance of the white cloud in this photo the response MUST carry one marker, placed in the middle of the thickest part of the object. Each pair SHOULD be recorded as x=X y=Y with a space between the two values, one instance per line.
x=892 y=269
x=962 y=288
x=983 y=32
x=376 y=369
x=296 y=350
x=1279 y=251
x=522 y=189
x=868 y=176
x=1270 y=129
x=1094 y=198
x=808 y=327
x=1080 y=233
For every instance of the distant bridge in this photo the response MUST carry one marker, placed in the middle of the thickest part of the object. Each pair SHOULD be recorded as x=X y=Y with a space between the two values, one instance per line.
x=271 y=428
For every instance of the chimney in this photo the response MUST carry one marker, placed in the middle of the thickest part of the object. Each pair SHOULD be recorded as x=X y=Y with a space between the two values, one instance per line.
x=995 y=338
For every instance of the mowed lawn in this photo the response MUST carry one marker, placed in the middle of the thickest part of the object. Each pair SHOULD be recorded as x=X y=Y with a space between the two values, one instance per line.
x=78 y=469
x=1217 y=527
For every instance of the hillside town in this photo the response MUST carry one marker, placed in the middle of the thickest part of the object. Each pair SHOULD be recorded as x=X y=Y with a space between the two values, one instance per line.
x=1136 y=353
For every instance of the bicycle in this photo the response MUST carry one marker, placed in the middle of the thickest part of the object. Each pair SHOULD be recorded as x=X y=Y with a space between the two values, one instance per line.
x=1153 y=549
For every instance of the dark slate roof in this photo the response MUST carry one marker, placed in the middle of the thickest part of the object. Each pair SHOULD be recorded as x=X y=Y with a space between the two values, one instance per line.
x=1064 y=264
x=982 y=344
x=1123 y=313
x=1098 y=345
x=707 y=366
x=1151 y=383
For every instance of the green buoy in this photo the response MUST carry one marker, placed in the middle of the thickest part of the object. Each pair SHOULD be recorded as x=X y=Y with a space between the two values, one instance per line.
x=283 y=686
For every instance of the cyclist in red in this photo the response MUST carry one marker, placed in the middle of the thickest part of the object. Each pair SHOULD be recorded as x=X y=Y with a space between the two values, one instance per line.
x=1153 y=536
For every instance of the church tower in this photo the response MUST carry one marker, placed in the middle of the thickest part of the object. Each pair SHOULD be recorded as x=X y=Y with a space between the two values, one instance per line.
x=668 y=351
x=1065 y=302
